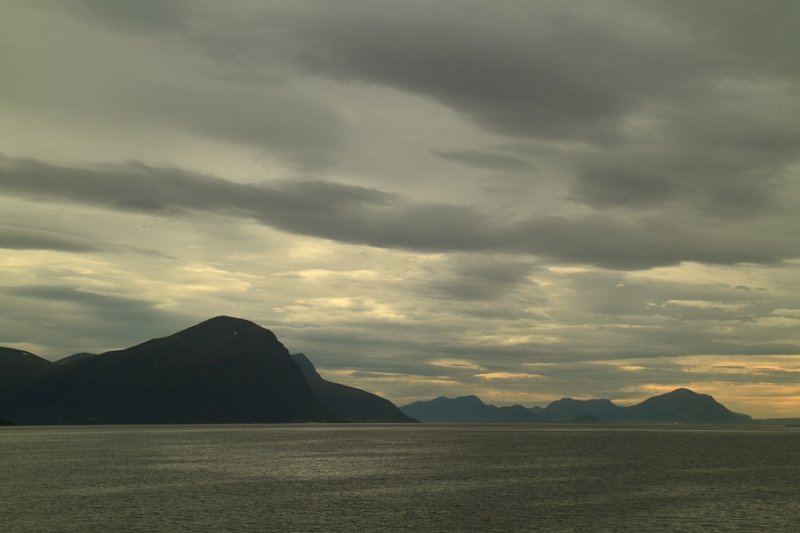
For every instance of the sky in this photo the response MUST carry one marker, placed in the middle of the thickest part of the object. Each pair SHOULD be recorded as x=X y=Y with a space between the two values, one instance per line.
x=523 y=200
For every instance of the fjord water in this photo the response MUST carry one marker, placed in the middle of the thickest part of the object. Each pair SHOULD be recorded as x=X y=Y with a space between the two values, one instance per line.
x=319 y=477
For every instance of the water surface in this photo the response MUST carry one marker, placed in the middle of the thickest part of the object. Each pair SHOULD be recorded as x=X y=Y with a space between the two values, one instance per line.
x=317 y=477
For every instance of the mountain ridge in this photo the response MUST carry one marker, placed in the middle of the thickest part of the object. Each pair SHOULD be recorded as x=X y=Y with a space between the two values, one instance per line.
x=220 y=370
x=228 y=369
x=349 y=403
x=467 y=409
x=681 y=406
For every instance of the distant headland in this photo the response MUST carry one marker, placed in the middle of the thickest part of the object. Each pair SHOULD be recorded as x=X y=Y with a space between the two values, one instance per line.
x=230 y=370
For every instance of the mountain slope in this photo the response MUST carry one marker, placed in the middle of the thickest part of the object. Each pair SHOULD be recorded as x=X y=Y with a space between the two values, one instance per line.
x=349 y=403
x=221 y=370
x=568 y=410
x=467 y=409
x=679 y=406
x=74 y=357
x=18 y=370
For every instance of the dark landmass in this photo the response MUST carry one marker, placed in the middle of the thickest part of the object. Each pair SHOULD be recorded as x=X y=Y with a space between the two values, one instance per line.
x=681 y=406
x=467 y=409
x=568 y=410
x=18 y=370
x=6 y=423
x=231 y=370
x=74 y=357
x=348 y=403
x=222 y=370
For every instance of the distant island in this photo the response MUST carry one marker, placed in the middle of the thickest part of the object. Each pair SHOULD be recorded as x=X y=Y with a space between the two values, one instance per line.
x=230 y=370
x=681 y=406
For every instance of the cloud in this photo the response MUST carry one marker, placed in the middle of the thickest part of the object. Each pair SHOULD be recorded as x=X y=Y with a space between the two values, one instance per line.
x=508 y=375
x=96 y=321
x=20 y=238
x=460 y=364
x=484 y=160
x=481 y=278
x=361 y=215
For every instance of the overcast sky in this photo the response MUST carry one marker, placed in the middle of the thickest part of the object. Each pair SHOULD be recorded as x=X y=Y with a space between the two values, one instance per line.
x=520 y=200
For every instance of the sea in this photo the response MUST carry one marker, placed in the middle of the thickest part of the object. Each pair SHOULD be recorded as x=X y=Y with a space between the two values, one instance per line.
x=404 y=477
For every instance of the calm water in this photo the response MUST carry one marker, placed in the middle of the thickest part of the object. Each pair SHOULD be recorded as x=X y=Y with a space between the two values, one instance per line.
x=398 y=478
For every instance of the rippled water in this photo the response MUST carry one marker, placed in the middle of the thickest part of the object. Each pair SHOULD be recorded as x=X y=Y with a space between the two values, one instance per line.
x=398 y=478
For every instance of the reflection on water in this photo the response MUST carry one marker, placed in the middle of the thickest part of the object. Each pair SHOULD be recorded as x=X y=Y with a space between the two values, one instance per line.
x=402 y=477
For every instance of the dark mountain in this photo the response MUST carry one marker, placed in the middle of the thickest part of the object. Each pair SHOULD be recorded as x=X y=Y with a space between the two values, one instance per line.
x=349 y=403
x=586 y=418
x=74 y=357
x=679 y=406
x=18 y=370
x=567 y=409
x=221 y=370
x=467 y=409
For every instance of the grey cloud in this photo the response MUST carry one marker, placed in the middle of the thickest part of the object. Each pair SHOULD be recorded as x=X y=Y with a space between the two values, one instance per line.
x=635 y=244
x=140 y=16
x=485 y=160
x=471 y=278
x=367 y=216
x=26 y=238
x=714 y=137
x=150 y=79
x=527 y=69
x=268 y=116
x=724 y=161
x=17 y=238
x=97 y=322
x=508 y=69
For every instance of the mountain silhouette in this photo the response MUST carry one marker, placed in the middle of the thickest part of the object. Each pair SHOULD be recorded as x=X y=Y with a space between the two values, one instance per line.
x=231 y=370
x=349 y=403
x=222 y=370
x=467 y=409
x=74 y=357
x=568 y=410
x=18 y=370
x=679 y=406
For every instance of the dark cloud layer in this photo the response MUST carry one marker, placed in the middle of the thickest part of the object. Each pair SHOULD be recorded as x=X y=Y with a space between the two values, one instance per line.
x=367 y=216
x=486 y=160
x=17 y=238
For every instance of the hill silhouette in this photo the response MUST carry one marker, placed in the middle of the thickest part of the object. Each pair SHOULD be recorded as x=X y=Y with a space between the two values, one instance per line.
x=231 y=370
x=467 y=409
x=349 y=403
x=18 y=370
x=222 y=370
x=679 y=406
x=74 y=357
x=568 y=409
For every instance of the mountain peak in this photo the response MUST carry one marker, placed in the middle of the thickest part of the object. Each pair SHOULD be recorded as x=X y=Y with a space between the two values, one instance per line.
x=225 y=333
x=223 y=322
